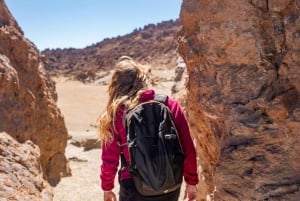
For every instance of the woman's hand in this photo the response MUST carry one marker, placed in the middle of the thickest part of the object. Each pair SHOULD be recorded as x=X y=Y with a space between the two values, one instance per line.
x=190 y=192
x=109 y=196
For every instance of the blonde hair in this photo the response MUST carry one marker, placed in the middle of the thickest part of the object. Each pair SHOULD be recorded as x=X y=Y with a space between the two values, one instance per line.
x=128 y=81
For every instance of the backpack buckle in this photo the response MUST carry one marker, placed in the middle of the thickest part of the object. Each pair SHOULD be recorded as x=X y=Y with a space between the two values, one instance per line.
x=170 y=137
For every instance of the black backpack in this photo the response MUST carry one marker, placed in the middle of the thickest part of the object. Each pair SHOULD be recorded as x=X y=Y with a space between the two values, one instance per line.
x=156 y=155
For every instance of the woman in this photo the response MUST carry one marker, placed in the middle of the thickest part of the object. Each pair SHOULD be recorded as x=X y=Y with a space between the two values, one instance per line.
x=129 y=87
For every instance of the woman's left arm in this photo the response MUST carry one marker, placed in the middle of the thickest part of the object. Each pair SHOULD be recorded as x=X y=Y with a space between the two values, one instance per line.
x=190 y=162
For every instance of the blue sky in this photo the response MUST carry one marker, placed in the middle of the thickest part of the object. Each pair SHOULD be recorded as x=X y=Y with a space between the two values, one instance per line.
x=79 y=23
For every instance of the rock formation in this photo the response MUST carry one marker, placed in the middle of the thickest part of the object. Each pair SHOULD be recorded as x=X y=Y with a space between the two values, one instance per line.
x=21 y=176
x=179 y=87
x=243 y=63
x=154 y=45
x=28 y=109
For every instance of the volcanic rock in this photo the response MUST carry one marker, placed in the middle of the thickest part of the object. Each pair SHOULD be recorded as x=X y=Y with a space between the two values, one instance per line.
x=28 y=109
x=243 y=102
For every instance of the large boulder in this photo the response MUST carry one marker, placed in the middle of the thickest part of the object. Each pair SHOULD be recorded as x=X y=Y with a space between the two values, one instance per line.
x=28 y=109
x=243 y=101
x=21 y=175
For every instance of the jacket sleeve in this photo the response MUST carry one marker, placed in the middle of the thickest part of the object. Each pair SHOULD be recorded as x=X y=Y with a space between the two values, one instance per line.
x=110 y=155
x=190 y=162
x=109 y=166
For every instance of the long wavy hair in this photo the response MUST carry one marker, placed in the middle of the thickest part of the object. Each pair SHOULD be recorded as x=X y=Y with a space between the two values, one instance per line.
x=128 y=81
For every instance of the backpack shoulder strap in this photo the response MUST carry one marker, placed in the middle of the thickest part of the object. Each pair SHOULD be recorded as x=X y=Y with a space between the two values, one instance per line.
x=122 y=156
x=160 y=98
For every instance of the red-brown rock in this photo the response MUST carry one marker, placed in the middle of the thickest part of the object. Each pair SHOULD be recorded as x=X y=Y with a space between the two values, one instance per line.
x=154 y=45
x=243 y=98
x=28 y=109
x=21 y=175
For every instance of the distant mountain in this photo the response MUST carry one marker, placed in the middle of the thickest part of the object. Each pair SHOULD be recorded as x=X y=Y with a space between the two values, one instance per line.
x=155 y=45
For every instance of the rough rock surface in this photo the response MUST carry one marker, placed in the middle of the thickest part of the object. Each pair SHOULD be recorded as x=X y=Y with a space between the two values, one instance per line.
x=179 y=86
x=243 y=62
x=88 y=143
x=28 y=109
x=21 y=176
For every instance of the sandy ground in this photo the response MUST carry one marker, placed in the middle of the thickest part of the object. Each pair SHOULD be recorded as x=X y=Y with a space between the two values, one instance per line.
x=81 y=105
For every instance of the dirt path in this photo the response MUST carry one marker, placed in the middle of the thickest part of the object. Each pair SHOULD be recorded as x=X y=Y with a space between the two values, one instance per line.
x=81 y=105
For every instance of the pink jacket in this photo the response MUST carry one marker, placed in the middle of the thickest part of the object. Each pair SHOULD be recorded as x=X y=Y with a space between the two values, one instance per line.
x=111 y=152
